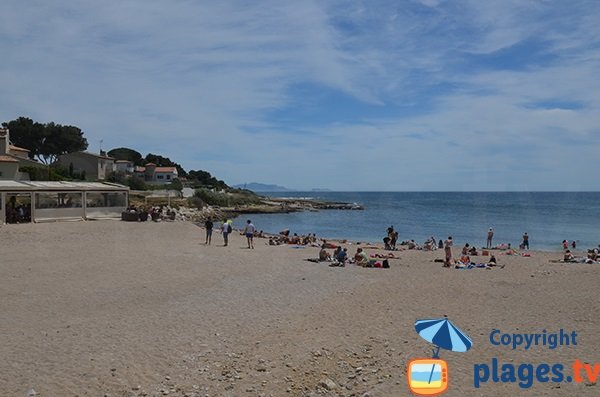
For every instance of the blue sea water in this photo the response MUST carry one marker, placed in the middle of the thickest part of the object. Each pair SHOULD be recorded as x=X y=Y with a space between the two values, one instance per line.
x=548 y=217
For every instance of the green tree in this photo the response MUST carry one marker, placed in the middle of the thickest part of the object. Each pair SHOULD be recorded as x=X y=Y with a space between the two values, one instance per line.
x=123 y=153
x=175 y=185
x=45 y=142
x=26 y=133
x=60 y=139
x=136 y=183
x=204 y=178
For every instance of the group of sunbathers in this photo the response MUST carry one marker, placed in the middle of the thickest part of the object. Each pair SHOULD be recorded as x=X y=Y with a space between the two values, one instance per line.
x=593 y=257
x=465 y=263
x=340 y=257
x=284 y=238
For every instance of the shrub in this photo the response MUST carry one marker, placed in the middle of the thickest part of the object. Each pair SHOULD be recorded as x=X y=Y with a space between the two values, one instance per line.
x=41 y=173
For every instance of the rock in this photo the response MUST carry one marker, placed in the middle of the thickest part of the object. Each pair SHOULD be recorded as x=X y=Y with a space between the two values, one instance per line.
x=327 y=384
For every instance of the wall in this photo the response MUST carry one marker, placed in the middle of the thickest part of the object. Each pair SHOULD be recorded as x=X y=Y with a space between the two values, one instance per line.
x=89 y=164
x=9 y=170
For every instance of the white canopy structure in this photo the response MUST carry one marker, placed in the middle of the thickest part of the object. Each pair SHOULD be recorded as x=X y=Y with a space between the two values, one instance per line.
x=27 y=201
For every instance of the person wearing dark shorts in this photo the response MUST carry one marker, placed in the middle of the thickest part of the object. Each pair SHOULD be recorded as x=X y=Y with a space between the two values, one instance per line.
x=209 y=228
x=525 y=243
x=226 y=229
x=249 y=232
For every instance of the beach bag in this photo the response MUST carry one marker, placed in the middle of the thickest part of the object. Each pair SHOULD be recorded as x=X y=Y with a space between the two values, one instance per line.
x=229 y=230
x=386 y=264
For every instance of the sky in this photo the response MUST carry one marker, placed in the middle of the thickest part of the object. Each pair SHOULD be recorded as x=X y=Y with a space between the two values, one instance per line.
x=391 y=95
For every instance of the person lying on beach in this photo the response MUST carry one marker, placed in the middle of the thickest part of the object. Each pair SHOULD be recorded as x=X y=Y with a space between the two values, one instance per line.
x=492 y=261
x=412 y=245
x=384 y=256
x=329 y=245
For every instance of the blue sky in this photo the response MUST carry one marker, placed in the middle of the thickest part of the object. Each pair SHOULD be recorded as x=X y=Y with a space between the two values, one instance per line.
x=346 y=95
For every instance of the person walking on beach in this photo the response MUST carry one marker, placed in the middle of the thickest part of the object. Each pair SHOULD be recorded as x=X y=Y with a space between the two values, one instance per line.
x=448 y=251
x=226 y=229
x=249 y=232
x=209 y=228
x=490 y=236
x=525 y=243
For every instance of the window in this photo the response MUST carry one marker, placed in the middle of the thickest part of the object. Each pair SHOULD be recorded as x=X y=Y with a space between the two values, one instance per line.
x=112 y=199
x=168 y=176
x=160 y=177
x=58 y=200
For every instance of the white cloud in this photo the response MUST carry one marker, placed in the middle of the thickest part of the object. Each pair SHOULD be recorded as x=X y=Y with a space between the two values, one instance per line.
x=198 y=81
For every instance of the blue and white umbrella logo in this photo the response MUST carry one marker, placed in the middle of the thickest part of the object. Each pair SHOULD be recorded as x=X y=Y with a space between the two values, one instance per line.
x=442 y=333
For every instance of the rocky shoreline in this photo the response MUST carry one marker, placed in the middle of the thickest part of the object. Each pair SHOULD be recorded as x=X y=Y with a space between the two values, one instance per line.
x=272 y=205
x=267 y=205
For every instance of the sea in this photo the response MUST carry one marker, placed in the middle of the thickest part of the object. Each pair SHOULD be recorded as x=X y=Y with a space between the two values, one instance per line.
x=547 y=217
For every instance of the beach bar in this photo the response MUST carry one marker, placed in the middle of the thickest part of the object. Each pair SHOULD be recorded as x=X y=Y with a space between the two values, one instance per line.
x=36 y=201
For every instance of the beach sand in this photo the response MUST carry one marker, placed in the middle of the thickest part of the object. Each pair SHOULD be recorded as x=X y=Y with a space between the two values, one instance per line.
x=133 y=309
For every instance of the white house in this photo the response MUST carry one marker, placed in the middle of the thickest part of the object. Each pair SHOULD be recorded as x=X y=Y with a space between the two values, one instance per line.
x=156 y=175
x=124 y=166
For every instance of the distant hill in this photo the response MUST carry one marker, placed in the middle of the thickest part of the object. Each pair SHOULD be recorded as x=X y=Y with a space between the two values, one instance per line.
x=261 y=187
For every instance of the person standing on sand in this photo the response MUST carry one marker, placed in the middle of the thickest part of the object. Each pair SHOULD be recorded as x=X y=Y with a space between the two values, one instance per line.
x=448 y=251
x=209 y=228
x=226 y=229
x=525 y=243
x=249 y=232
x=490 y=236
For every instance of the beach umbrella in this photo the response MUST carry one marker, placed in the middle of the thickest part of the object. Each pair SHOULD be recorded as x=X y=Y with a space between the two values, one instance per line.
x=442 y=333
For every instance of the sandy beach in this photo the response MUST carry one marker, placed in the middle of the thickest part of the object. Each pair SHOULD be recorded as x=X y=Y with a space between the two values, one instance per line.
x=111 y=308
